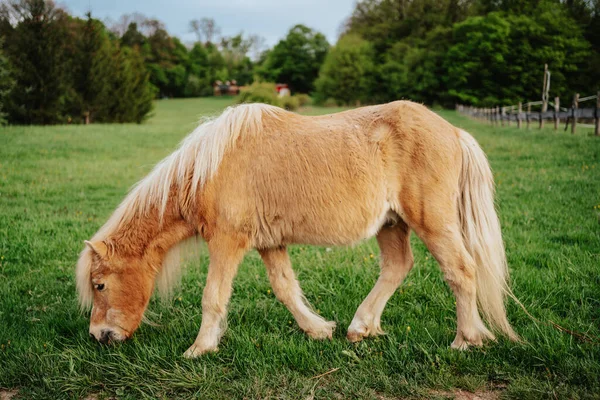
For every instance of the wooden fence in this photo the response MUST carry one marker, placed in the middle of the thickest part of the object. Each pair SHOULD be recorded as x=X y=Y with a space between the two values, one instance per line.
x=537 y=111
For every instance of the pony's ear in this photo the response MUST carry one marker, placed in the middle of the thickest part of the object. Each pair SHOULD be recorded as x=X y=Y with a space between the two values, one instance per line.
x=99 y=247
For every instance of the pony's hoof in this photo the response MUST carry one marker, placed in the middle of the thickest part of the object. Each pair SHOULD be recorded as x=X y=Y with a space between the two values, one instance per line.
x=461 y=343
x=355 y=336
x=359 y=331
x=196 y=351
x=325 y=331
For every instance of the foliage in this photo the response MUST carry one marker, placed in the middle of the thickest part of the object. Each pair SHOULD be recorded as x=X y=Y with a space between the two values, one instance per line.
x=290 y=103
x=478 y=51
x=36 y=50
x=296 y=60
x=303 y=99
x=265 y=92
x=67 y=68
x=260 y=92
x=6 y=83
x=497 y=59
x=347 y=72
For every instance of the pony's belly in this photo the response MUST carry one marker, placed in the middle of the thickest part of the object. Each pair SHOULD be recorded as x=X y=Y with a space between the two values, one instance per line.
x=345 y=230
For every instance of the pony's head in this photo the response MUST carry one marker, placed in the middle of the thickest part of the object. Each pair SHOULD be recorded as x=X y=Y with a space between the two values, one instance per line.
x=117 y=286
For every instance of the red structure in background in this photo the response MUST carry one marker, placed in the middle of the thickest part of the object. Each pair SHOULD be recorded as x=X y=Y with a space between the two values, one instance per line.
x=280 y=86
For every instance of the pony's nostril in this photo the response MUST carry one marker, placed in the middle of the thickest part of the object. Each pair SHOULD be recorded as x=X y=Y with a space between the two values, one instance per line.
x=92 y=336
x=104 y=336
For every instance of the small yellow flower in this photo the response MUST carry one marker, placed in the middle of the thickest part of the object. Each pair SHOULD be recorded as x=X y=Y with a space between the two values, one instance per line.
x=268 y=291
x=179 y=298
x=372 y=255
x=408 y=329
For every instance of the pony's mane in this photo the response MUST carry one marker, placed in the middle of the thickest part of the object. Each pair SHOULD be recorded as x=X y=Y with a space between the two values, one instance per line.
x=198 y=157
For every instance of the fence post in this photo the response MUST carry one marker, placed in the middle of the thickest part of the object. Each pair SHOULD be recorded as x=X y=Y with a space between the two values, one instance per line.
x=574 y=113
x=597 y=114
x=502 y=110
x=527 y=115
x=519 y=115
x=556 y=111
x=498 y=116
x=544 y=95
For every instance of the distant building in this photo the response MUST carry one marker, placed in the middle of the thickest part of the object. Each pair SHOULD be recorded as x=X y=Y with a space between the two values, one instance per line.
x=229 y=88
x=282 y=89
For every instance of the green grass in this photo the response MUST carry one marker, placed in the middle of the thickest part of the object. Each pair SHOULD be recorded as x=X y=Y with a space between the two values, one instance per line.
x=59 y=184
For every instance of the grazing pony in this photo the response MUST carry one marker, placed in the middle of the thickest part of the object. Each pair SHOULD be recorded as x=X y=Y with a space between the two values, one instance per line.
x=259 y=177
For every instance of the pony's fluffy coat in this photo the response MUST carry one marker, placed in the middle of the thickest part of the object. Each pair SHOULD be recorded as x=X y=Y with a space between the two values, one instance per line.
x=261 y=177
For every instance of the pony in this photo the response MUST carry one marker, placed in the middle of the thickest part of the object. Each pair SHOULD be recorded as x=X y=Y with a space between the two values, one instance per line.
x=259 y=177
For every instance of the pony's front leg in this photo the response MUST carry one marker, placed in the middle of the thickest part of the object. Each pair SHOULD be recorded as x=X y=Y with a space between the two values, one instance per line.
x=225 y=256
x=286 y=288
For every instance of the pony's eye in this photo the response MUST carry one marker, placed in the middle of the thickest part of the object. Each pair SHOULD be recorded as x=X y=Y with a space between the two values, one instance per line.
x=100 y=287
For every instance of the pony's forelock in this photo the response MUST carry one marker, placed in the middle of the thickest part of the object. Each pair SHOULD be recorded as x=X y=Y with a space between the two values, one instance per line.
x=83 y=279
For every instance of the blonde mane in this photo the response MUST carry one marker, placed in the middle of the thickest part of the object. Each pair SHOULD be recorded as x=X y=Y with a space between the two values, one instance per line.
x=198 y=157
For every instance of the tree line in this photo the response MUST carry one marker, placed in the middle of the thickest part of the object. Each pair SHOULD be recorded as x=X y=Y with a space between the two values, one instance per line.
x=479 y=52
x=57 y=68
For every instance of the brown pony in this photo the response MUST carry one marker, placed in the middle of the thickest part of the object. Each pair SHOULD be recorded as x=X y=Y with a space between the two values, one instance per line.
x=261 y=177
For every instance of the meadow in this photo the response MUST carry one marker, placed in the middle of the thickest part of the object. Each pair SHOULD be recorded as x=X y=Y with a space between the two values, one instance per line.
x=58 y=184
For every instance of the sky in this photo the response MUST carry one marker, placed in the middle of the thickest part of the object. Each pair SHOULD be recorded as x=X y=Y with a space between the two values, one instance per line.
x=270 y=19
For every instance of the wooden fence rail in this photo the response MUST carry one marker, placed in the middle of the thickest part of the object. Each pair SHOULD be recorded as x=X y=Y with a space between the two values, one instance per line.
x=506 y=114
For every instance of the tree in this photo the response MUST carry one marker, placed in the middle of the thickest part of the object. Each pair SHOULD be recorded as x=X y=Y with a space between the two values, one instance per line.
x=414 y=69
x=128 y=96
x=132 y=36
x=206 y=29
x=347 y=73
x=296 y=60
x=386 y=22
x=6 y=83
x=499 y=58
x=91 y=69
x=36 y=49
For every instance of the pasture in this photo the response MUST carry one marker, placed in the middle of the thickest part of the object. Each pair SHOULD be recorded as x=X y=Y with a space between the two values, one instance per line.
x=58 y=184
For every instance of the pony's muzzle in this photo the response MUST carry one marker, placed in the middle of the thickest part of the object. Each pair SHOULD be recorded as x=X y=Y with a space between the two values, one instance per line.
x=105 y=336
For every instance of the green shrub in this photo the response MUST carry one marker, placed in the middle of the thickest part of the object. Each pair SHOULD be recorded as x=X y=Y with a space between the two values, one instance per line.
x=303 y=99
x=260 y=92
x=290 y=103
x=330 y=102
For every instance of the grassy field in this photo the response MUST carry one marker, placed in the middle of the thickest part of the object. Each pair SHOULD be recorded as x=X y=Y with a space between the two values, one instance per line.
x=59 y=184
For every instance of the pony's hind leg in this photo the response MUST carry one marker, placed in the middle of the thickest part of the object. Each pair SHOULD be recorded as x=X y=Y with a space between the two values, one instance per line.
x=286 y=288
x=225 y=256
x=459 y=271
x=396 y=261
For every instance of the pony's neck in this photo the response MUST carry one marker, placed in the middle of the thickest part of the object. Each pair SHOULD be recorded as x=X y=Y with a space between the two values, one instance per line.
x=151 y=235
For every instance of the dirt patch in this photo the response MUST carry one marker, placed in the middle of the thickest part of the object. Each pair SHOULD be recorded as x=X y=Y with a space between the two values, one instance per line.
x=459 y=394
x=8 y=394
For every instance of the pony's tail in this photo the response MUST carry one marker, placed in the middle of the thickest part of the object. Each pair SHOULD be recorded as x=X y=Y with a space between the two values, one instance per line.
x=482 y=236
